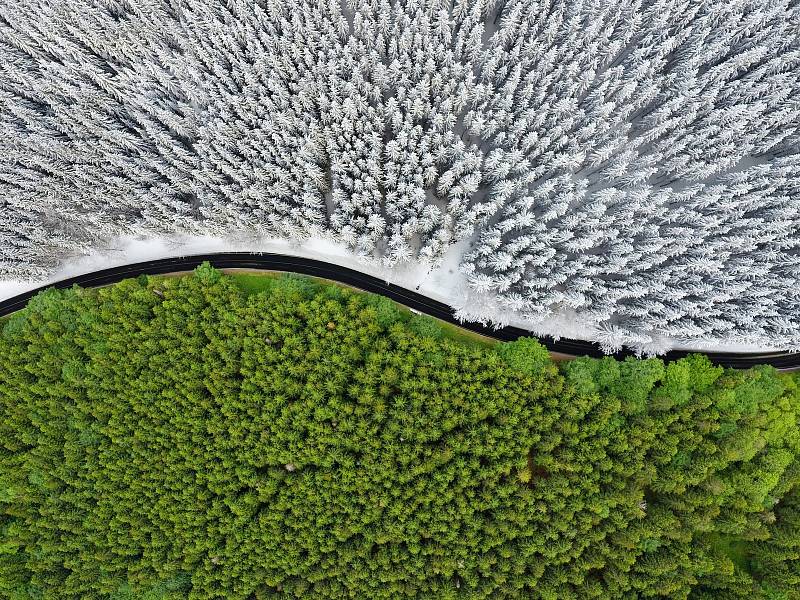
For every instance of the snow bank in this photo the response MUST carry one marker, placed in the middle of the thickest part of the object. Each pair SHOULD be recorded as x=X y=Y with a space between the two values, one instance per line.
x=444 y=282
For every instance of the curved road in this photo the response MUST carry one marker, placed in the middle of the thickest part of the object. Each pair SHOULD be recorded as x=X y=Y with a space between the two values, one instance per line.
x=279 y=262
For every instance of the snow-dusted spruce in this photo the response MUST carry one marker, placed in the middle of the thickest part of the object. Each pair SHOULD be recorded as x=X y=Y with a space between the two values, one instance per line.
x=637 y=162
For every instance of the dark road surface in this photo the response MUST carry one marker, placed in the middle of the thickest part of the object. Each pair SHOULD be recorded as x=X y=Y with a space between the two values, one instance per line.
x=414 y=300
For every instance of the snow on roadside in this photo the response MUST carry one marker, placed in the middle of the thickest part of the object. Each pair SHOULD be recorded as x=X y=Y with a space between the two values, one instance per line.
x=443 y=282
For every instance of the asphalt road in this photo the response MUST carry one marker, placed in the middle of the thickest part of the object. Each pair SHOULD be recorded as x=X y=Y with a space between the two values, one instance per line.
x=279 y=262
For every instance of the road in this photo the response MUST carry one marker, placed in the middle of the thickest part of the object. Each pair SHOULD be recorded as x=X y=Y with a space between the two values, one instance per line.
x=784 y=361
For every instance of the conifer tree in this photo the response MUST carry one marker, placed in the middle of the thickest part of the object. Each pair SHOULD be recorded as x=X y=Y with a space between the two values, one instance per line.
x=635 y=162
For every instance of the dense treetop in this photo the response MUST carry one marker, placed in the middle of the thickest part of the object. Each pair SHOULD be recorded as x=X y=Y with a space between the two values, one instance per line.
x=177 y=438
x=635 y=161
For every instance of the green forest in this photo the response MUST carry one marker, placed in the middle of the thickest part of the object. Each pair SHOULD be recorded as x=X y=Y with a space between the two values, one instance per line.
x=212 y=437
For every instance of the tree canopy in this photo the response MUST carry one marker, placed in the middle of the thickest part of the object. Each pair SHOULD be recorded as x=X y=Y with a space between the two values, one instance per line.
x=177 y=438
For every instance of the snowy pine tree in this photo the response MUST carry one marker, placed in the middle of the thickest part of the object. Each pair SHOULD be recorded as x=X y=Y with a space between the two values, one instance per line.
x=634 y=161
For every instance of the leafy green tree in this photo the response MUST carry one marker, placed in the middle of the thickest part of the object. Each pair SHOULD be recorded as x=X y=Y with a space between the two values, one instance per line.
x=386 y=312
x=425 y=326
x=528 y=356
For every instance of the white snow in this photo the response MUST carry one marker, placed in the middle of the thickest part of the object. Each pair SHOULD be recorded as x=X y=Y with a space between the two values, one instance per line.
x=443 y=282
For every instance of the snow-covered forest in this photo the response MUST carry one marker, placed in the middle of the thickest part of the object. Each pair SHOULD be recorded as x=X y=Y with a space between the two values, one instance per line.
x=636 y=162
